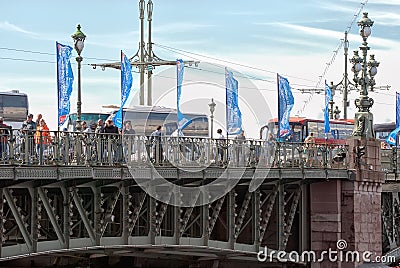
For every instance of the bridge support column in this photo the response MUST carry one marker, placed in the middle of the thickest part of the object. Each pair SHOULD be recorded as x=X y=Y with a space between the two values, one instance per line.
x=2 y=216
x=349 y=210
x=66 y=212
x=125 y=214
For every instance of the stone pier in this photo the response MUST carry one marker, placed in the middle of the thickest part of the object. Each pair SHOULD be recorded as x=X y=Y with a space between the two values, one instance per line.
x=349 y=211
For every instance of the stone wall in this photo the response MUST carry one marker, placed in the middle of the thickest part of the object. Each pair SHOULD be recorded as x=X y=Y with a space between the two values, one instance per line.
x=349 y=210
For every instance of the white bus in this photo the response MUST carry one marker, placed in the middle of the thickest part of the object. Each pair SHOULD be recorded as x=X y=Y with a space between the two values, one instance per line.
x=13 y=107
x=145 y=119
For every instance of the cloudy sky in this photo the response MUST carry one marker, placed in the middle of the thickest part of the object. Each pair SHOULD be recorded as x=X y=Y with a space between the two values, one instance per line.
x=300 y=40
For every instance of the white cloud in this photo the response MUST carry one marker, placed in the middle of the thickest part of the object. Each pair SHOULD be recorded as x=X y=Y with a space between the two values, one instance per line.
x=180 y=27
x=5 y=25
x=389 y=19
x=386 y=43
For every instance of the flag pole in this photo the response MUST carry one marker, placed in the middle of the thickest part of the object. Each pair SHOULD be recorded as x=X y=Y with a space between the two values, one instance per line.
x=278 y=134
x=226 y=112
x=58 y=91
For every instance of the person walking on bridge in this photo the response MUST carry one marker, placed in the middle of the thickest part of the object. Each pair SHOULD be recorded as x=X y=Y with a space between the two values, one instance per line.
x=309 y=143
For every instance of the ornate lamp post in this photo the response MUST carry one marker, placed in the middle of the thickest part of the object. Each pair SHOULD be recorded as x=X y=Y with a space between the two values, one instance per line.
x=79 y=39
x=212 y=110
x=336 y=113
x=364 y=73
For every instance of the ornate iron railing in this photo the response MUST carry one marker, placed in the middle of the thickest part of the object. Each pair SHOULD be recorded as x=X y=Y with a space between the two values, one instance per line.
x=90 y=149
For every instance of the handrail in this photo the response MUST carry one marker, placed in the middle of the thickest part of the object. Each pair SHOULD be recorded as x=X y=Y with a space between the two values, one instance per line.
x=92 y=149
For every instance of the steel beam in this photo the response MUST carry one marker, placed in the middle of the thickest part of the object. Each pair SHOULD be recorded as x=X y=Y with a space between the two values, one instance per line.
x=17 y=216
x=281 y=215
x=51 y=215
x=125 y=214
x=83 y=215
x=34 y=217
x=2 y=221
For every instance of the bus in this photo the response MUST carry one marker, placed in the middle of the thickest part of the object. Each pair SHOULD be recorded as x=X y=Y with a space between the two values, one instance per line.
x=13 y=107
x=90 y=118
x=382 y=131
x=301 y=127
x=145 y=120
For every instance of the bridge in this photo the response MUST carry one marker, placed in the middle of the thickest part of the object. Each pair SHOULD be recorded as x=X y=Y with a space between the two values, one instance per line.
x=196 y=202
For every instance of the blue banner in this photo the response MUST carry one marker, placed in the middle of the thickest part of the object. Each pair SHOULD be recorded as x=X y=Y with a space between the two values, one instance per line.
x=285 y=105
x=397 y=109
x=183 y=121
x=233 y=114
x=126 y=85
x=328 y=98
x=392 y=138
x=65 y=79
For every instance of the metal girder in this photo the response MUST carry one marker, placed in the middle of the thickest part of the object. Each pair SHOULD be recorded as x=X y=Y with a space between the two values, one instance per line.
x=2 y=221
x=184 y=220
x=264 y=219
x=17 y=216
x=136 y=211
x=160 y=214
x=84 y=217
x=215 y=214
x=110 y=210
x=389 y=216
x=50 y=213
x=242 y=214
x=290 y=216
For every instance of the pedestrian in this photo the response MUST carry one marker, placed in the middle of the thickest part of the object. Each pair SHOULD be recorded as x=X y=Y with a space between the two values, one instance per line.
x=155 y=138
x=128 y=129
x=39 y=116
x=100 y=126
x=4 y=134
x=42 y=138
x=309 y=144
x=220 y=147
x=240 y=139
x=112 y=137
x=28 y=130
x=85 y=128
x=128 y=140
x=271 y=149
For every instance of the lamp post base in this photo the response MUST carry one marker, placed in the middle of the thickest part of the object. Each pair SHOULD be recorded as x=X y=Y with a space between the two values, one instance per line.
x=363 y=125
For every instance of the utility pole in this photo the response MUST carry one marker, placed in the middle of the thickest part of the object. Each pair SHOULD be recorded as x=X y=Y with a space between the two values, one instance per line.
x=344 y=84
x=141 y=48
x=144 y=60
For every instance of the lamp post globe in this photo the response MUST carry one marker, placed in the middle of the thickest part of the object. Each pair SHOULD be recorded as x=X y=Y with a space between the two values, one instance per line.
x=79 y=43
x=212 y=105
x=364 y=73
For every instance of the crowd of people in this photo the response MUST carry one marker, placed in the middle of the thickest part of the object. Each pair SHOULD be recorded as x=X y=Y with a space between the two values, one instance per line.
x=35 y=138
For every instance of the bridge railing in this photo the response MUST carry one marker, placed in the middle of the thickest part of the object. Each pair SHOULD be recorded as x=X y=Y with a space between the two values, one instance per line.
x=74 y=148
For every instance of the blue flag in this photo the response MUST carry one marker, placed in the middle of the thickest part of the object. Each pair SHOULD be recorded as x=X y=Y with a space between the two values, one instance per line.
x=65 y=79
x=183 y=121
x=233 y=114
x=397 y=109
x=285 y=105
x=392 y=138
x=126 y=85
x=328 y=98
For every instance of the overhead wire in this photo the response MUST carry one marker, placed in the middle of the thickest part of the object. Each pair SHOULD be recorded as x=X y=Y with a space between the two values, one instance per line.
x=333 y=58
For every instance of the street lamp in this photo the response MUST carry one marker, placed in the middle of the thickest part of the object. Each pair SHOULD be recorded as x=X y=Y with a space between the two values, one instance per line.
x=364 y=73
x=212 y=109
x=345 y=85
x=79 y=39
